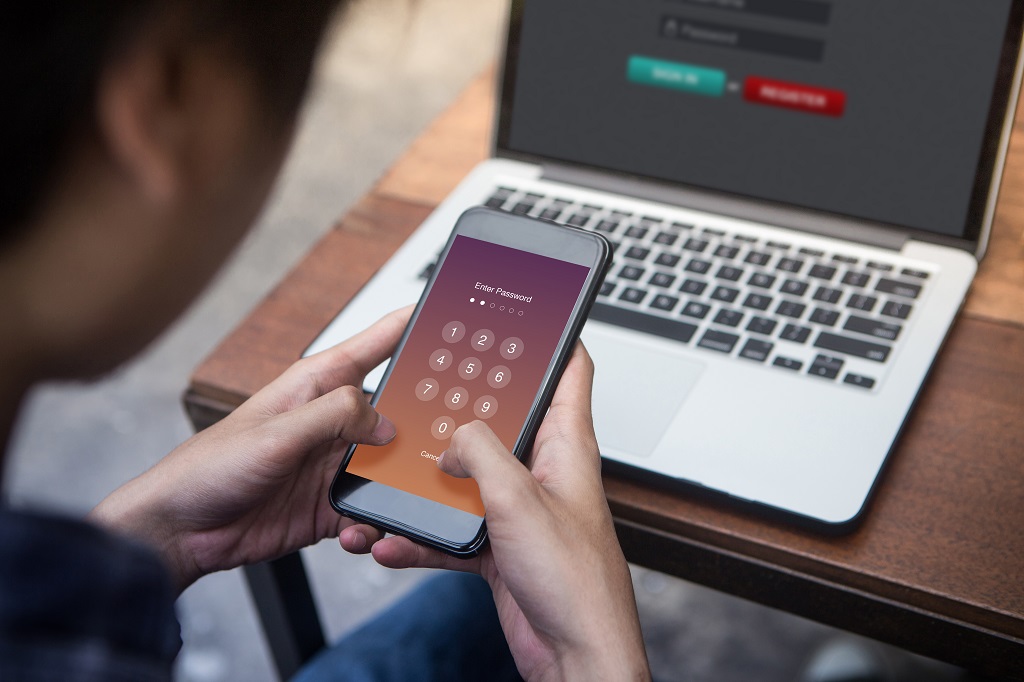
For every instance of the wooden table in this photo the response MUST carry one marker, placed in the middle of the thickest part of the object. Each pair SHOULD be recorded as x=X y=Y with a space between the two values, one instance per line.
x=937 y=566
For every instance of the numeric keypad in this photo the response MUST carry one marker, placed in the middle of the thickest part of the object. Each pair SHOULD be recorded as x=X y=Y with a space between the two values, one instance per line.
x=469 y=354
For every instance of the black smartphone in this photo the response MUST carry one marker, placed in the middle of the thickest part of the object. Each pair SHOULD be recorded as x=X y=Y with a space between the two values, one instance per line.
x=488 y=340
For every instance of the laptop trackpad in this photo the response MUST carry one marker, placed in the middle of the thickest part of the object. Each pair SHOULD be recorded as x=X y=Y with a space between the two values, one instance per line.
x=637 y=392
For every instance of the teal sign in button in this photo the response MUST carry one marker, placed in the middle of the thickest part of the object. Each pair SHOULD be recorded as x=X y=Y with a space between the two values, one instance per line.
x=676 y=75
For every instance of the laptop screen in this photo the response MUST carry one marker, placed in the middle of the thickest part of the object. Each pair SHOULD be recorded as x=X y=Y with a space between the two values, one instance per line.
x=873 y=109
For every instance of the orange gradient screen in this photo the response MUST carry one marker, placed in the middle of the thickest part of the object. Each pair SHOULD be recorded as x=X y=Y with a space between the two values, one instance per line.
x=479 y=350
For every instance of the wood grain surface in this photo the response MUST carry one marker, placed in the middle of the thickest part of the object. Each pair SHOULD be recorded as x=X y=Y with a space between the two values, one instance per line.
x=936 y=565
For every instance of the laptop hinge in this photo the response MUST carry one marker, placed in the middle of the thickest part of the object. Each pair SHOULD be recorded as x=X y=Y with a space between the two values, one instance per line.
x=804 y=220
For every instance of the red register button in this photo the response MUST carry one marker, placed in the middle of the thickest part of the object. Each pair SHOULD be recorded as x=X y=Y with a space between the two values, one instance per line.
x=794 y=96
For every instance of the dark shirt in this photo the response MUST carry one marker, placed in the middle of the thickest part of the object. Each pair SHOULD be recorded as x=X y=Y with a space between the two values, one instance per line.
x=78 y=604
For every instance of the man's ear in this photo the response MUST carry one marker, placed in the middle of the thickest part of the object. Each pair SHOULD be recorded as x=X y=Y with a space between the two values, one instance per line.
x=140 y=121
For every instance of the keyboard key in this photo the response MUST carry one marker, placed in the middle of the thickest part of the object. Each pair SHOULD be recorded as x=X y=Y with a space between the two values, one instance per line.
x=636 y=232
x=793 y=287
x=791 y=309
x=534 y=196
x=790 y=264
x=745 y=238
x=856 y=279
x=725 y=294
x=697 y=245
x=666 y=259
x=649 y=324
x=827 y=294
x=591 y=208
x=730 y=318
x=618 y=214
x=723 y=342
x=884 y=267
x=844 y=344
x=812 y=252
x=637 y=253
x=761 y=280
x=724 y=251
x=757 y=258
x=824 y=316
x=761 y=325
x=694 y=309
x=651 y=221
x=615 y=245
x=919 y=274
x=664 y=302
x=578 y=219
x=606 y=226
x=862 y=302
x=788 y=363
x=666 y=238
x=825 y=272
x=550 y=214
x=755 y=349
x=606 y=288
x=795 y=333
x=848 y=260
x=876 y=328
x=826 y=367
x=662 y=279
x=522 y=208
x=896 y=309
x=631 y=272
x=495 y=202
x=858 y=380
x=779 y=245
x=698 y=266
x=694 y=287
x=713 y=232
x=632 y=295
x=757 y=301
x=682 y=226
x=892 y=286
x=729 y=273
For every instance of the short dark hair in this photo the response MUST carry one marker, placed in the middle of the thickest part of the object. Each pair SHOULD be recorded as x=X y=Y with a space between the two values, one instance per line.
x=53 y=51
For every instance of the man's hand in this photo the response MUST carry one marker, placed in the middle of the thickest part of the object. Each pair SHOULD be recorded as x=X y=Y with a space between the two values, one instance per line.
x=556 y=570
x=254 y=486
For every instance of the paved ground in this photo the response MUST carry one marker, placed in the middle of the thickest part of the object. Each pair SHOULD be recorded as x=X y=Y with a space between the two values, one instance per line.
x=388 y=70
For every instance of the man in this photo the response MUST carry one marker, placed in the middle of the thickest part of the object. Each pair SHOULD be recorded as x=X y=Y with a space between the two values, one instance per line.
x=140 y=141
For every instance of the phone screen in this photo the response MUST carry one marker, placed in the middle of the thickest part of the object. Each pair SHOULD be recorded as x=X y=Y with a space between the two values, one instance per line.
x=480 y=348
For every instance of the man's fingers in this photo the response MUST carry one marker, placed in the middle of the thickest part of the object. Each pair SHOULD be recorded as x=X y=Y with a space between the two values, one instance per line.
x=476 y=452
x=343 y=414
x=576 y=386
x=399 y=552
x=359 y=538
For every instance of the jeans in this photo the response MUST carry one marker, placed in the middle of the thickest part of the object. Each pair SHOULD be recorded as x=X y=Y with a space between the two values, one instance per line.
x=446 y=629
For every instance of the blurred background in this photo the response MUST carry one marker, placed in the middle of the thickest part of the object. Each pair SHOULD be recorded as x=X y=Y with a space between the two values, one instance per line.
x=387 y=69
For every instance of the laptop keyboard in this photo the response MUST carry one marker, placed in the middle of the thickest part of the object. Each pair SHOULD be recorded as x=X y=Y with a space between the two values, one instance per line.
x=793 y=307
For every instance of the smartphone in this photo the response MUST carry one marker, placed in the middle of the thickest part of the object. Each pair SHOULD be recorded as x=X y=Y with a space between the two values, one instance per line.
x=488 y=340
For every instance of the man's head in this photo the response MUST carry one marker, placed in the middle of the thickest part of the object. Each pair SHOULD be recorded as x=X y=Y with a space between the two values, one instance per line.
x=140 y=140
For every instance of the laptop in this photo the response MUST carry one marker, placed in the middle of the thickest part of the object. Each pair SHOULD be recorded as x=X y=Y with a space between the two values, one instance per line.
x=798 y=192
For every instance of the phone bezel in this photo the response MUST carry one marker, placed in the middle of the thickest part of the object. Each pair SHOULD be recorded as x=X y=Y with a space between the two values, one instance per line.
x=428 y=522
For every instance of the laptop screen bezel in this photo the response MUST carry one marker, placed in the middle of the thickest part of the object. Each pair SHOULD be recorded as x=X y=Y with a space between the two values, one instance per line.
x=990 y=158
